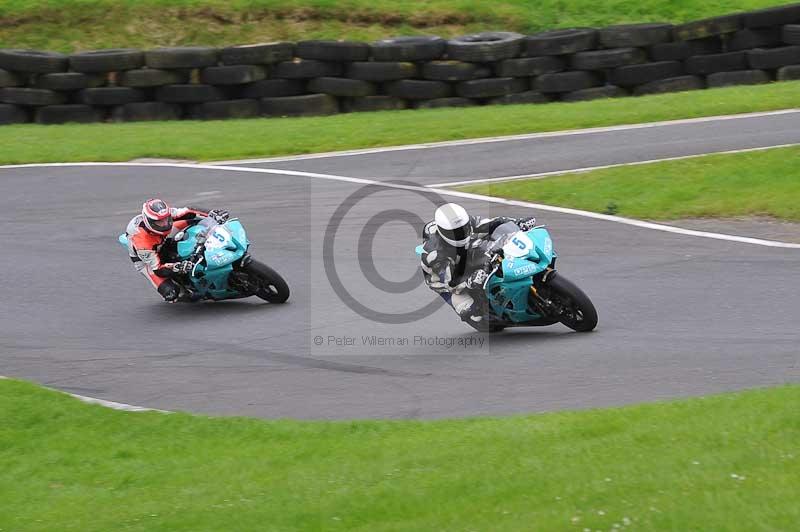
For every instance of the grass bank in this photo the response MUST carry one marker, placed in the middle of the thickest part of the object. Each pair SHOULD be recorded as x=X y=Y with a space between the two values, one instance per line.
x=763 y=183
x=728 y=462
x=204 y=141
x=69 y=25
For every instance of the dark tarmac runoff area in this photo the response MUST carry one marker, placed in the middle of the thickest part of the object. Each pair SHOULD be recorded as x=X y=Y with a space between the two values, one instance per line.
x=680 y=315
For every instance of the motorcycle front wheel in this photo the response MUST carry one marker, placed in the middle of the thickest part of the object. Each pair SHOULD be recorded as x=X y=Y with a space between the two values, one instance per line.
x=573 y=308
x=271 y=286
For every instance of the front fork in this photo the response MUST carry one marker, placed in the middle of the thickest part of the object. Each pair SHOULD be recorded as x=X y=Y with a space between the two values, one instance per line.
x=545 y=305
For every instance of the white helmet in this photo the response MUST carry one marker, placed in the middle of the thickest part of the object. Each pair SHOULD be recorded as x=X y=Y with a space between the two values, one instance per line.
x=453 y=224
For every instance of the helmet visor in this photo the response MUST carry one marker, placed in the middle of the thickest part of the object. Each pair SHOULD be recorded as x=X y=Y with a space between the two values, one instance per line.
x=459 y=234
x=162 y=226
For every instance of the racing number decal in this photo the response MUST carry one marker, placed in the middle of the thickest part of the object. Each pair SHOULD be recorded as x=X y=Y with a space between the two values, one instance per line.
x=519 y=243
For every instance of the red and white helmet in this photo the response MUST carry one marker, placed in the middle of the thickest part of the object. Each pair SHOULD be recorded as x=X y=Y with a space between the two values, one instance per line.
x=157 y=216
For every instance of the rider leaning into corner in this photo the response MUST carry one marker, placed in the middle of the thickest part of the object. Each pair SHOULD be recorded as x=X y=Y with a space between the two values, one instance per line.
x=453 y=261
x=147 y=233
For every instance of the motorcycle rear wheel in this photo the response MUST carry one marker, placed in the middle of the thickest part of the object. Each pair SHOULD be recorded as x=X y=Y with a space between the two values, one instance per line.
x=576 y=310
x=271 y=286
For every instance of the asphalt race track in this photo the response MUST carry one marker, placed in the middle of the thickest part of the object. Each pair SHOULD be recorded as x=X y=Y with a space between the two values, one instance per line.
x=679 y=315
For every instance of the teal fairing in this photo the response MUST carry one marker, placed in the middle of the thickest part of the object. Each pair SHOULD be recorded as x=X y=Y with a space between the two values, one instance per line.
x=508 y=289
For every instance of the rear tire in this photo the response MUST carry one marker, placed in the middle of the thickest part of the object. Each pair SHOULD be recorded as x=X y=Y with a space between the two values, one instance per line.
x=578 y=313
x=272 y=287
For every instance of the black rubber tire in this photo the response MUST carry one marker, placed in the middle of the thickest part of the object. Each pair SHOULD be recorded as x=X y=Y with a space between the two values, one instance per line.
x=634 y=35
x=630 y=75
x=444 y=102
x=33 y=61
x=152 y=77
x=485 y=47
x=416 y=48
x=13 y=114
x=257 y=54
x=454 y=71
x=740 y=77
x=763 y=59
x=307 y=105
x=560 y=42
x=520 y=98
x=529 y=66
x=790 y=34
x=560 y=286
x=381 y=70
x=278 y=291
x=680 y=50
x=789 y=73
x=69 y=81
x=181 y=57
x=747 y=39
x=711 y=63
x=373 y=103
x=566 y=82
x=772 y=16
x=605 y=59
x=9 y=79
x=111 y=60
x=111 y=96
x=225 y=110
x=306 y=69
x=65 y=114
x=187 y=93
x=274 y=88
x=700 y=29
x=146 y=111
x=419 y=89
x=677 y=84
x=594 y=93
x=232 y=74
x=330 y=50
x=343 y=87
x=492 y=87
x=33 y=97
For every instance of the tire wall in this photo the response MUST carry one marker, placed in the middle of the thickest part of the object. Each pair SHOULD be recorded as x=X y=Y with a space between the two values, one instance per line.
x=327 y=77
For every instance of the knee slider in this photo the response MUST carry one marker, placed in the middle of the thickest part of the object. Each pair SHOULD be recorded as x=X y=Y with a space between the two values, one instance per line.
x=168 y=291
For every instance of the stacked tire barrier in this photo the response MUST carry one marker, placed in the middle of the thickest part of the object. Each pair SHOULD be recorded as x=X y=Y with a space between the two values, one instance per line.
x=327 y=77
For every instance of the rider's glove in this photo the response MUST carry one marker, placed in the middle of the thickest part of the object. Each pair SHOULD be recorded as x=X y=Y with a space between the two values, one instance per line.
x=185 y=266
x=219 y=215
x=526 y=224
x=477 y=279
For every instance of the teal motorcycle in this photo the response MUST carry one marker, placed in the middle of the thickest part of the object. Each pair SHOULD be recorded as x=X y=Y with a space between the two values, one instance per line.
x=523 y=288
x=223 y=267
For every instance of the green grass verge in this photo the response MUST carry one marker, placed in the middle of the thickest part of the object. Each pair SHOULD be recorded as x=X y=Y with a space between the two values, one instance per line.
x=763 y=183
x=31 y=143
x=728 y=462
x=85 y=24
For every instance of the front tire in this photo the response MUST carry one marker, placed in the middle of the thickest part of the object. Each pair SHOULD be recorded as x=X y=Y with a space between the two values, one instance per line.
x=574 y=308
x=271 y=286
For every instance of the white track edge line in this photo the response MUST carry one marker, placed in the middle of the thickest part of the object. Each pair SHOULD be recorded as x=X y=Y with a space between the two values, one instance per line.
x=102 y=402
x=507 y=138
x=446 y=192
x=541 y=175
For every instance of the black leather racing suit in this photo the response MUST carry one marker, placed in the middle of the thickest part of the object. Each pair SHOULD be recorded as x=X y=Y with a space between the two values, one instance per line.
x=446 y=267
